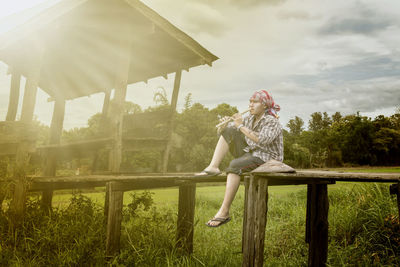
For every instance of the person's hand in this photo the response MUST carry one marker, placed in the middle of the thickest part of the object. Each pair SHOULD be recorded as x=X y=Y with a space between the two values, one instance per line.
x=237 y=118
x=223 y=126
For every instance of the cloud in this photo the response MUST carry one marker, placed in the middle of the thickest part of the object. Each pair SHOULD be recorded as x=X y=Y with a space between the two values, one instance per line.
x=238 y=3
x=208 y=16
x=203 y=18
x=361 y=20
x=294 y=14
x=357 y=26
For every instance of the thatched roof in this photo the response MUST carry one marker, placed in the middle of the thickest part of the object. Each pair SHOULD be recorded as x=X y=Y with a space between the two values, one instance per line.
x=83 y=43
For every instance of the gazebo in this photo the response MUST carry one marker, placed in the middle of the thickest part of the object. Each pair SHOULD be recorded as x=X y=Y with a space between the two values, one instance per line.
x=81 y=47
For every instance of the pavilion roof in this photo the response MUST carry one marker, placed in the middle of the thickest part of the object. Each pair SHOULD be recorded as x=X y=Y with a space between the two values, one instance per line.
x=82 y=43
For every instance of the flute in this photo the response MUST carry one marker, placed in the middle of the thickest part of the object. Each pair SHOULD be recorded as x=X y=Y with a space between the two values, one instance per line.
x=230 y=119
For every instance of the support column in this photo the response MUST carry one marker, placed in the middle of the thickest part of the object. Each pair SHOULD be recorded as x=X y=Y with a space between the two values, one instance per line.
x=56 y=128
x=254 y=235
x=22 y=157
x=114 y=219
x=17 y=206
x=318 y=225
x=261 y=220
x=14 y=95
x=186 y=209
x=174 y=101
x=31 y=85
x=104 y=127
x=117 y=105
x=245 y=211
x=308 y=213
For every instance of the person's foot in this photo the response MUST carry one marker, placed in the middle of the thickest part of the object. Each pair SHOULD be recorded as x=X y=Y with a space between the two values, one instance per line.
x=208 y=172
x=218 y=221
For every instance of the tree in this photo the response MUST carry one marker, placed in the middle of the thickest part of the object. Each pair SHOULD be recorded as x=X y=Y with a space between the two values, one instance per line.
x=295 y=126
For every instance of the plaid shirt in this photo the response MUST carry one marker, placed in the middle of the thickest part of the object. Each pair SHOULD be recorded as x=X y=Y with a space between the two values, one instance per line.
x=270 y=138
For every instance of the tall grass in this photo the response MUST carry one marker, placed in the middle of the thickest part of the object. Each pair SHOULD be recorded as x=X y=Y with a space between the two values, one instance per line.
x=363 y=231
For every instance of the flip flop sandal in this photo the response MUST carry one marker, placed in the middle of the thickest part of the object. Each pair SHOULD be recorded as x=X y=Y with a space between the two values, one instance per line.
x=205 y=173
x=218 y=219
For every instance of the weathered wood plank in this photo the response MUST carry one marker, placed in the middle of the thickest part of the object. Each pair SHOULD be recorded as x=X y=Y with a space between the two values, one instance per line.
x=318 y=246
x=117 y=105
x=185 y=223
x=333 y=175
x=14 y=96
x=308 y=213
x=245 y=212
x=174 y=100
x=248 y=250
x=17 y=206
x=114 y=220
x=261 y=207
x=56 y=127
x=32 y=82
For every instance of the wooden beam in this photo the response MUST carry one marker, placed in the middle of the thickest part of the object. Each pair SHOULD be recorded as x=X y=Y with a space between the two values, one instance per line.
x=185 y=224
x=174 y=102
x=32 y=82
x=318 y=245
x=14 y=96
x=56 y=128
x=114 y=220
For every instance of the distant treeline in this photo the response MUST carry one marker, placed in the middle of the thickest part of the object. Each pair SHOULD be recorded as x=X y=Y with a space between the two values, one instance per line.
x=329 y=141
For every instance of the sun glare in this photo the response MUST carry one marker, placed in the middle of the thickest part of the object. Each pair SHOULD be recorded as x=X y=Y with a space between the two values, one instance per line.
x=13 y=13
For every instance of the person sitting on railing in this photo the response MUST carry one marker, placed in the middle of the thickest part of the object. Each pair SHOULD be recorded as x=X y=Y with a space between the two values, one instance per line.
x=252 y=141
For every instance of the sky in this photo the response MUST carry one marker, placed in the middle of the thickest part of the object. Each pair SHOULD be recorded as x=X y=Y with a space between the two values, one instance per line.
x=311 y=55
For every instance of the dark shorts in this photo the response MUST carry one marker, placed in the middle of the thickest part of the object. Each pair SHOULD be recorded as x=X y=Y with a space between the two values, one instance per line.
x=244 y=161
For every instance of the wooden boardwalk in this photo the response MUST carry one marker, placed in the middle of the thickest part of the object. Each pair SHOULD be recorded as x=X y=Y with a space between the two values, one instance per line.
x=255 y=206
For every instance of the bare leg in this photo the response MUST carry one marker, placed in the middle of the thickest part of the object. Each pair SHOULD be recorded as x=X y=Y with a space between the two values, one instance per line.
x=232 y=185
x=220 y=151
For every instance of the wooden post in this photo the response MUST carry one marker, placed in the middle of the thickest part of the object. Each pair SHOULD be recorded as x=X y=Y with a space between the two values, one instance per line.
x=20 y=185
x=186 y=208
x=245 y=211
x=248 y=250
x=106 y=107
x=14 y=96
x=174 y=101
x=31 y=85
x=56 y=127
x=318 y=245
x=104 y=130
x=255 y=222
x=261 y=221
x=117 y=107
x=395 y=190
x=308 y=213
x=22 y=157
x=114 y=219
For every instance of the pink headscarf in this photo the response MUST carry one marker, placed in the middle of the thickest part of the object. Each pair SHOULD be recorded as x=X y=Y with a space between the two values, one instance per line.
x=267 y=101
